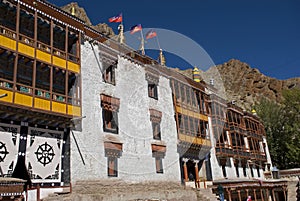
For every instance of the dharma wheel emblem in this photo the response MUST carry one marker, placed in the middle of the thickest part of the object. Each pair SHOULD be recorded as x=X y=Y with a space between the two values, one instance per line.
x=44 y=154
x=3 y=151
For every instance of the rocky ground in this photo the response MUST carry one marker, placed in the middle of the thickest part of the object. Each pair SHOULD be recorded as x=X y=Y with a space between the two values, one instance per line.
x=117 y=190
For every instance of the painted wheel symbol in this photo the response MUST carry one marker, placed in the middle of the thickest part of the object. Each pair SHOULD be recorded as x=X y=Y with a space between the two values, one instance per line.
x=45 y=154
x=3 y=151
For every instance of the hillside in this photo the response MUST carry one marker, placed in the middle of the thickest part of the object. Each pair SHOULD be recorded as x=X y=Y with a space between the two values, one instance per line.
x=81 y=14
x=244 y=84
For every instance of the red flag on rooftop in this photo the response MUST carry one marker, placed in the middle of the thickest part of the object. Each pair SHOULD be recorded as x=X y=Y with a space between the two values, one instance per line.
x=151 y=34
x=135 y=28
x=117 y=18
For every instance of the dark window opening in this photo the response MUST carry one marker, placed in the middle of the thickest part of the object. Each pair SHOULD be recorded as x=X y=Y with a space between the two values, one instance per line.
x=156 y=131
x=59 y=80
x=25 y=71
x=224 y=171
x=251 y=170
x=180 y=123
x=186 y=124
x=73 y=89
x=26 y=24
x=251 y=144
x=177 y=94
x=233 y=140
x=192 y=127
x=244 y=171
x=8 y=15
x=159 y=165
x=110 y=74
x=188 y=95
x=258 y=172
x=229 y=115
x=7 y=60
x=152 y=90
x=194 y=94
x=110 y=121
x=72 y=43
x=43 y=34
x=42 y=76
x=112 y=166
x=182 y=91
x=72 y=83
x=223 y=138
x=59 y=38
x=237 y=171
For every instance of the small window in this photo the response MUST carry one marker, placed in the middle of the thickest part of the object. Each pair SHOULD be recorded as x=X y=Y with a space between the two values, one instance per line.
x=25 y=71
x=109 y=74
x=252 y=173
x=156 y=131
x=112 y=166
x=258 y=173
x=152 y=91
x=110 y=121
x=224 y=171
x=245 y=171
x=237 y=171
x=59 y=80
x=159 y=165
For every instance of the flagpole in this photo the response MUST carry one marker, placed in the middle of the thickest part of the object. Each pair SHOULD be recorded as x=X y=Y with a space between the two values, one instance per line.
x=142 y=48
x=122 y=19
x=121 y=31
x=158 y=42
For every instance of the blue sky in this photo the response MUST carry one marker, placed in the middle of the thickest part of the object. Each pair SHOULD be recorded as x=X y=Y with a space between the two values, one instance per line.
x=263 y=33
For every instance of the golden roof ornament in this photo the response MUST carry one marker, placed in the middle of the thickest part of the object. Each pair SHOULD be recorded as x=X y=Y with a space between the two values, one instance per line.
x=73 y=11
x=196 y=74
x=162 y=59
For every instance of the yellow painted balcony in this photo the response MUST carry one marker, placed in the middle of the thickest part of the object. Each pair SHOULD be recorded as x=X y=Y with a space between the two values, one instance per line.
x=23 y=99
x=191 y=113
x=59 y=62
x=74 y=110
x=42 y=104
x=43 y=56
x=8 y=43
x=25 y=49
x=59 y=107
x=73 y=67
x=8 y=98
x=194 y=140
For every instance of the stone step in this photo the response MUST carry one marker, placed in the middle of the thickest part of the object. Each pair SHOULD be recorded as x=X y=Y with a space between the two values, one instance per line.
x=206 y=194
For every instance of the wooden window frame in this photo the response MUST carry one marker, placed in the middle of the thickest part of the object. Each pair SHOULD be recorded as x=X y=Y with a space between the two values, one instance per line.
x=109 y=74
x=158 y=152
x=159 y=165
x=110 y=121
x=112 y=166
x=156 y=130
x=155 y=118
x=153 y=91
x=110 y=107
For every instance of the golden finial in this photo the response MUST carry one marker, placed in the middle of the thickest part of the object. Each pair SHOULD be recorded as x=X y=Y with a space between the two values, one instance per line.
x=162 y=58
x=253 y=111
x=73 y=10
x=196 y=74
